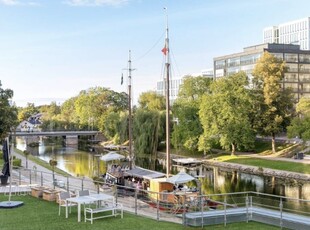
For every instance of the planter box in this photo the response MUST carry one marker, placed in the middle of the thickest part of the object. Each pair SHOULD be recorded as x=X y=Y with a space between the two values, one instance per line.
x=50 y=194
x=4 y=180
x=37 y=191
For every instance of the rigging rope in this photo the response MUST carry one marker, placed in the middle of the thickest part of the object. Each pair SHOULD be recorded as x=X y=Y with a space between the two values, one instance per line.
x=147 y=52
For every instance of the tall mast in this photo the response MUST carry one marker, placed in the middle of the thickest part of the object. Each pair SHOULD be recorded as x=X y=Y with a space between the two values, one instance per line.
x=167 y=72
x=131 y=158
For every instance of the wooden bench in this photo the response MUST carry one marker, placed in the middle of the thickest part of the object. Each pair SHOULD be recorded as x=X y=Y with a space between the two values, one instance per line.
x=113 y=207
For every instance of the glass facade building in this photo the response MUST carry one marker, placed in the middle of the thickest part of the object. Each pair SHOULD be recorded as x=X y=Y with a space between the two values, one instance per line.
x=298 y=62
x=293 y=32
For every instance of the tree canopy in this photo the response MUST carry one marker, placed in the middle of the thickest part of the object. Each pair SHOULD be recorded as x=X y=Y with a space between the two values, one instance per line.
x=8 y=113
x=274 y=103
x=224 y=114
x=300 y=125
x=187 y=127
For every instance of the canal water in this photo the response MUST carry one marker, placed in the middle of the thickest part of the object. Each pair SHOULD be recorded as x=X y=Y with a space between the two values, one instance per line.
x=79 y=162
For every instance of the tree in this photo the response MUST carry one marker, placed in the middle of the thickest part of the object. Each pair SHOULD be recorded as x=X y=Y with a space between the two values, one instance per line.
x=8 y=113
x=148 y=130
x=26 y=112
x=152 y=101
x=300 y=125
x=275 y=104
x=303 y=106
x=187 y=127
x=224 y=114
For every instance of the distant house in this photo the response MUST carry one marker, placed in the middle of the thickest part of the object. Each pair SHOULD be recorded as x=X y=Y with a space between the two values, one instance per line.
x=31 y=125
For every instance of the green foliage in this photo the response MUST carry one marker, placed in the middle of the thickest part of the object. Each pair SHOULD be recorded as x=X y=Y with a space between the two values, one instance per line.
x=17 y=162
x=8 y=113
x=88 y=110
x=303 y=106
x=187 y=128
x=112 y=124
x=300 y=125
x=152 y=101
x=274 y=105
x=26 y=112
x=224 y=114
x=148 y=131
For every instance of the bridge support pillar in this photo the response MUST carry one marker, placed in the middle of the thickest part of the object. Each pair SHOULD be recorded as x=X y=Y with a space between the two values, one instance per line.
x=72 y=140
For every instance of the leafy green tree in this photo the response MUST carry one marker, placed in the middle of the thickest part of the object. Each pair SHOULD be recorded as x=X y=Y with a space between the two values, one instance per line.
x=187 y=127
x=26 y=112
x=152 y=101
x=274 y=104
x=112 y=126
x=224 y=114
x=68 y=116
x=300 y=125
x=8 y=113
x=303 y=107
x=148 y=130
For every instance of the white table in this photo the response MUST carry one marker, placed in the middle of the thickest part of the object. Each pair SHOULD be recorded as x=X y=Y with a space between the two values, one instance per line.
x=87 y=200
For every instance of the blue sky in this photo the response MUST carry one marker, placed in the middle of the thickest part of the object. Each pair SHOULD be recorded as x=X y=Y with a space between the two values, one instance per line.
x=50 y=50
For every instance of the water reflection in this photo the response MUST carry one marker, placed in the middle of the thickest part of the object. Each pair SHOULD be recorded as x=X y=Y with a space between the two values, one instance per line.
x=213 y=180
x=69 y=159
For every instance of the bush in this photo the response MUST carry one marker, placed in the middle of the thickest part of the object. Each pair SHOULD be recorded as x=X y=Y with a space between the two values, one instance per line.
x=17 y=162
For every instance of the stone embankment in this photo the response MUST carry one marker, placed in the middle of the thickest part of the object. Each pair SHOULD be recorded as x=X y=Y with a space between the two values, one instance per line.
x=259 y=170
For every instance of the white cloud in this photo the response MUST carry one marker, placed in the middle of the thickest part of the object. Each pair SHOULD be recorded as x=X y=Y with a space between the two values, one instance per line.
x=18 y=2
x=96 y=2
x=9 y=2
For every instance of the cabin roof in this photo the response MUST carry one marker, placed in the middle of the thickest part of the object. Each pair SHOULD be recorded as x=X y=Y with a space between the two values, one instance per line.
x=144 y=173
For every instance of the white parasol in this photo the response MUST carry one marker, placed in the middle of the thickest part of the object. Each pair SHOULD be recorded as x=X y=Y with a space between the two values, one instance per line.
x=180 y=178
x=111 y=156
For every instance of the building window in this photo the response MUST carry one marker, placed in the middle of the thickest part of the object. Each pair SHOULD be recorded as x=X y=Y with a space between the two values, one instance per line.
x=304 y=77
x=233 y=62
x=249 y=59
x=220 y=64
x=291 y=57
x=304 y=68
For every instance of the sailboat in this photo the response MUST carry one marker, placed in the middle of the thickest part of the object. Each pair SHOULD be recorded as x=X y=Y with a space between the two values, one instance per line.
x=170 y=198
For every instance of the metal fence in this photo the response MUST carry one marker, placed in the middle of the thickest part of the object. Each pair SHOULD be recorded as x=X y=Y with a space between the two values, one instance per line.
x=199 y=210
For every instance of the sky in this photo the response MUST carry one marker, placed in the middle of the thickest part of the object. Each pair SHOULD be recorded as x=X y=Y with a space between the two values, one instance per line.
x=50 y=50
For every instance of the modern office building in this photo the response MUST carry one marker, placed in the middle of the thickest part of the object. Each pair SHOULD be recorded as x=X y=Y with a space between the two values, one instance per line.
x=297 y=61
x=174 y=88
x=293 y=32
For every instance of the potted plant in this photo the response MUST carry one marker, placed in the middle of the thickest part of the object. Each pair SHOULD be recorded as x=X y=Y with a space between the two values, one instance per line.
x=53 y=163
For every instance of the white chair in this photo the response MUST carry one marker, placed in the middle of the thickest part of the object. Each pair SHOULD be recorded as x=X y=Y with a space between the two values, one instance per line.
x=84 y=193
x=62 y=196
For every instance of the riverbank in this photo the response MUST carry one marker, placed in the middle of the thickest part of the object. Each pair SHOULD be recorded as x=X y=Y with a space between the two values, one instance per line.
x=262 y=171
x=255 y=164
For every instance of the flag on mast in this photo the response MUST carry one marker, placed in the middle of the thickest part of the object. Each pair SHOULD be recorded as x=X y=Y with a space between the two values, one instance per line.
x=122 y=79
x=164 y=50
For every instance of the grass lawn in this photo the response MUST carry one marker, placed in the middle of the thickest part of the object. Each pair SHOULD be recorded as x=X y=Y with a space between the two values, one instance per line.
x=272 y=164
x=38 y=214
